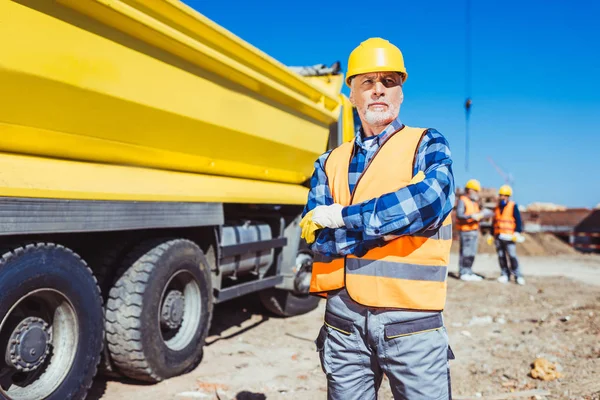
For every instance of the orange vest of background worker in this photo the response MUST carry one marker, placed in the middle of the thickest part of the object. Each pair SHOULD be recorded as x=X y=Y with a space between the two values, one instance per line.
x=506 y=234
x=504 y=221
x=408 y=272
x=471 y=207
x=468 y=215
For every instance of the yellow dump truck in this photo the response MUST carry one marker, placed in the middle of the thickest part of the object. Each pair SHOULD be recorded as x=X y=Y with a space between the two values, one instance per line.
x=152 y=164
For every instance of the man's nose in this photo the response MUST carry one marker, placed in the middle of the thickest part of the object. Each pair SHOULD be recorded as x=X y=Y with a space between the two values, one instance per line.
x=378 y=89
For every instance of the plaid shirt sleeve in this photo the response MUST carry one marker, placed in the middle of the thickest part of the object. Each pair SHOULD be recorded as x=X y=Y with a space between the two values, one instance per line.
x=319 y=194
x=414 y=208
x=328 y=242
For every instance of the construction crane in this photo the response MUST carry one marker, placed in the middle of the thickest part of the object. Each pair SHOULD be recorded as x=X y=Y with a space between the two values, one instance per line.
x=468 y=101
x=508 y=178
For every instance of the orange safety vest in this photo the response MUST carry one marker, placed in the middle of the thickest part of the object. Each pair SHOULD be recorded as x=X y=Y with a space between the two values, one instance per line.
x=471 y=207
x=504 y=222
x=408 y=272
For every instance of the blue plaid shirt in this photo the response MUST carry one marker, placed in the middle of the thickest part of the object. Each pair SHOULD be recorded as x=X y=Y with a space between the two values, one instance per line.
x=414 y=208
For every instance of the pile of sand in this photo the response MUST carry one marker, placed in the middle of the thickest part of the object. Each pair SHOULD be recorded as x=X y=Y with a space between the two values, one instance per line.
x=551 y=244
x=535 y=244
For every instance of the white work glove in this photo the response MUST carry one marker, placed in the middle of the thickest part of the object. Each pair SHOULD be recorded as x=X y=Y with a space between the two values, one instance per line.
x=518 y=238
x=328 y=216
x=515 y=237
x=477 y=216
x=487 y=213
x=318 y=218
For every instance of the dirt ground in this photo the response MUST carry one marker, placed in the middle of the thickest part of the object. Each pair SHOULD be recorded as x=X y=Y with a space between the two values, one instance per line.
x=496 y=332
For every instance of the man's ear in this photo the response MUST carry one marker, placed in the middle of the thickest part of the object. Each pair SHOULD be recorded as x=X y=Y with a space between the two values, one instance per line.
x=351 y=98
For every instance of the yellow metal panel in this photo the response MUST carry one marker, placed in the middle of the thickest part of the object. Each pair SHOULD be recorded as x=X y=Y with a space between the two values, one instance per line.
x=34 y=177
x=347 y=119
x=72 y=88
x=185 y=19
x=136 y=23
x=331 y=84
x=19 y=139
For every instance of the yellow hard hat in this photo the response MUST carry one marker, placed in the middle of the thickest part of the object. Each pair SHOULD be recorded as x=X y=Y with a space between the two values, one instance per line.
x=473 y=184
x=375 y=55
x=505 y=190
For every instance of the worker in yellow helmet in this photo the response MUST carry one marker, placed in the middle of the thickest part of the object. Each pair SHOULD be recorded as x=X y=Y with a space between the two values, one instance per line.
x=378 y=216
x=468 y=215
x=507 y=228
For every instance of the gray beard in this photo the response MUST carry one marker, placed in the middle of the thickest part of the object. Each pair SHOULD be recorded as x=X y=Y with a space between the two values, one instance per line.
x=378 y=117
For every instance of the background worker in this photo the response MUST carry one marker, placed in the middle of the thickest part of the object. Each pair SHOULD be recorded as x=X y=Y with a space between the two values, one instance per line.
x=468 y=215
x=506 y=230
x=379 y=207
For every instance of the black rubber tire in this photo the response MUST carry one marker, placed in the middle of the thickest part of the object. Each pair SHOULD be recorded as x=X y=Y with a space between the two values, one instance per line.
x=133 y=331
x=106 y=262
x=285 y=303
x=50 y=266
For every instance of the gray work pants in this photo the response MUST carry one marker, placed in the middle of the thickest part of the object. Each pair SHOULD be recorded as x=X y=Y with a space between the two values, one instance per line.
x=507 y=249
x=358 y=344
x=468 y=250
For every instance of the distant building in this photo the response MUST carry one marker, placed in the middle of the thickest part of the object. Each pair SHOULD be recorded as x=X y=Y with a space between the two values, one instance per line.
x=561 y=223
x=586 y=235
x=545 y=207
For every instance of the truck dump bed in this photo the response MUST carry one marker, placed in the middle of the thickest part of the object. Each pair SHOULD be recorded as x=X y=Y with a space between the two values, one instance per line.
x=149 y=100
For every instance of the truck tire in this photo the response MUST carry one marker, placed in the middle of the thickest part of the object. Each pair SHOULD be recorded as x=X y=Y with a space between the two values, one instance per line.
x=285 y=303
x=51 y=328
x=105 y=260
x=158 y=312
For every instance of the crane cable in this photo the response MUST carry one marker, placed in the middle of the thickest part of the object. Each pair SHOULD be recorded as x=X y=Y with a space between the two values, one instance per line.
x=468 y=101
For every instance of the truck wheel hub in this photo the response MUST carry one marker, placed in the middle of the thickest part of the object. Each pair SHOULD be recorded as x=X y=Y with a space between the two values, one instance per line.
x=173 y=309
x=303 y=273
x=29 y=344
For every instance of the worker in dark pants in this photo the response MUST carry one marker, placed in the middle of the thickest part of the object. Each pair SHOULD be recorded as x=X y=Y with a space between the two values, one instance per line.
x=468 y=215
x=507 y=228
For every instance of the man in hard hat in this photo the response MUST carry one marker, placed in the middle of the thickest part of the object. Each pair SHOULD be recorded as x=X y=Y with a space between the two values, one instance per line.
x=506 y=230
x=378 y=215
x=468 y=215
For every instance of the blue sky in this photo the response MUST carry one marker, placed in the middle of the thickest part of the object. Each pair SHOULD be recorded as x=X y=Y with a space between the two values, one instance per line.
x=535 y=77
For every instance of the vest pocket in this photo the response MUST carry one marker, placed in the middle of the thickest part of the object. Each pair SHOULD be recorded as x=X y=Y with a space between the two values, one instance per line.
x=406 y=328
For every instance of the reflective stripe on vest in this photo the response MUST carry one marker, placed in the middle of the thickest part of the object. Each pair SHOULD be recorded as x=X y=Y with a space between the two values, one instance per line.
x=407 y=272
x=471 y=208
x=504 y=222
